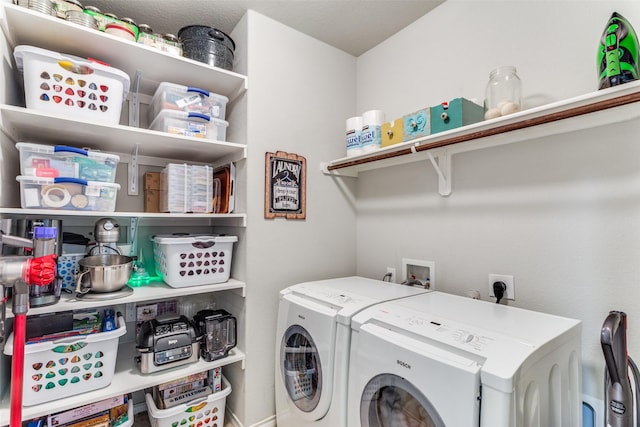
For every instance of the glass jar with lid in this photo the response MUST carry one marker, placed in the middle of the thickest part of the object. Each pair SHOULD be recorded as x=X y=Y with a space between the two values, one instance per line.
x=504 y=93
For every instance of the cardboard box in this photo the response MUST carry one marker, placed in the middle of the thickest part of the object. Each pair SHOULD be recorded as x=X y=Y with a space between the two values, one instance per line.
x=152 y=180
x=152 y=192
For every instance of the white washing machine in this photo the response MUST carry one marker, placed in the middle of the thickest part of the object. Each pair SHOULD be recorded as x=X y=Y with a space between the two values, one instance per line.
x=312 y=346
x=440 y=360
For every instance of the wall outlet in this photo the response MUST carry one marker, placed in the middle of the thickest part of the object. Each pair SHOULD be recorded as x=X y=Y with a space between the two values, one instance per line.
x=510 y=293
x=420 y=271
x=392 y=271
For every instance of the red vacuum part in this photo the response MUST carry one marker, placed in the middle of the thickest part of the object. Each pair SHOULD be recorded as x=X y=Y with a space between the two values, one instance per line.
x=41 y=271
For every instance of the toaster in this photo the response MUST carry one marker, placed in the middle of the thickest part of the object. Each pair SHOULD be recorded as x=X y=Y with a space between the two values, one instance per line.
x=167 y=341
x=218 y=331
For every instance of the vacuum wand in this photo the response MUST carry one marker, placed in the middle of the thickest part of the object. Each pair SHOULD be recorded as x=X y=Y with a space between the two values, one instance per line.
x=619 y=399
x=18 y=273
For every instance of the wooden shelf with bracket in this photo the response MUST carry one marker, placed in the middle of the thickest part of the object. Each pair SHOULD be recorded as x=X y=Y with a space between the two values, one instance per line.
x=608 y=106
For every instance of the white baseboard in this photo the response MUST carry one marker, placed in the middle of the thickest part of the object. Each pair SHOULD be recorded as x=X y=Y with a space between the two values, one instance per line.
x=234 y=422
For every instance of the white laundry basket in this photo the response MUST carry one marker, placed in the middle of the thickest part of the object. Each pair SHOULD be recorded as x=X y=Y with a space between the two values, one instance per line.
x=189 y=260
x=69 y=366
x=204 y=412
x=71 y=86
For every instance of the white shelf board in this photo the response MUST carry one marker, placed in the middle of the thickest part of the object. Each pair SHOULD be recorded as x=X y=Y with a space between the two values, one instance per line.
x=24 y=124
x=145 y=218
x=352 y=166
x=23 y=26
x=150 y=292
x=127 y=379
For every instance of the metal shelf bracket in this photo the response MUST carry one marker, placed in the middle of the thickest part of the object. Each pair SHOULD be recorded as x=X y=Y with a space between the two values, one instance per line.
x=443 y=168
x=133 y=172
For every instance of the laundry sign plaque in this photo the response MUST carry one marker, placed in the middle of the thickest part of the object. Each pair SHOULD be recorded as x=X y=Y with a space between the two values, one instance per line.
x=285 y=191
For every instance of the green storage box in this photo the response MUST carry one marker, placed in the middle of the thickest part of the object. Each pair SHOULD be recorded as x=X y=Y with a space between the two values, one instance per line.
x=454 y=114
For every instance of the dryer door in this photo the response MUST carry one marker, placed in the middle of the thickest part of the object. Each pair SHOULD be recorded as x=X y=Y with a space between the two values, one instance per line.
x=392 y=401
x=413 y=382
x=307 y=351
x=301 y=368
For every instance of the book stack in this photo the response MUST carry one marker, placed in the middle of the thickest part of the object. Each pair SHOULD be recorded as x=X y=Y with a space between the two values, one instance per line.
x=186 y=389
x=110 y=412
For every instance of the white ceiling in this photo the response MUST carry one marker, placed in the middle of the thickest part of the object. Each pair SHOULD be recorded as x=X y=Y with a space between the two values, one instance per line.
x=354 y=26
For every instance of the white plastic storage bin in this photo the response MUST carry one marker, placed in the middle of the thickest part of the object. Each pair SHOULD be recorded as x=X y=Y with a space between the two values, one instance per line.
x=190 y=260
x=67 y=194
x=71 y=86
x=171 y=96
x=186 y=188
x=70 y=366
x=48 y=161
x=184 y=123
x=205 y=412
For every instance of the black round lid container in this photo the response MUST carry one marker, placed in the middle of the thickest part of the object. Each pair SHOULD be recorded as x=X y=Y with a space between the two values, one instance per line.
x=206 y=32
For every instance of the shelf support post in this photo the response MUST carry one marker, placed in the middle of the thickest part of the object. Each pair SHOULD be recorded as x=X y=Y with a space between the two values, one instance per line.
x=133 y=236
x=443 y=169
x=133 y=172
x=134 y=105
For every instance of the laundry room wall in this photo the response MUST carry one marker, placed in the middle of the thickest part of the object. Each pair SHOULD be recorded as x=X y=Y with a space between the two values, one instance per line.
x=560 y=214
x=300 y=92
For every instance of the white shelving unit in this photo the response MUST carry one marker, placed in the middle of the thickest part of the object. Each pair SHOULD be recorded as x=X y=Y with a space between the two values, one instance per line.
x=147 y=67
x=149 y=292
x=24 y=26
x=603 y=107
x=127 y=379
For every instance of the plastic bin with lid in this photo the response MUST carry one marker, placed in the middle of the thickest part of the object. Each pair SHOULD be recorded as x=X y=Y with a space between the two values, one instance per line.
x=67 y=194
x=190 y=124
x=190 y=259
x=71 y=86
x=172 y=96
x=186 y=188
x=48 y=161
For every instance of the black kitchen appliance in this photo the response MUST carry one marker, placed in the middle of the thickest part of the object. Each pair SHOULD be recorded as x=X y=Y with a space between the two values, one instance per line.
x=621 y=410
x=218 y=331
x=167 y=341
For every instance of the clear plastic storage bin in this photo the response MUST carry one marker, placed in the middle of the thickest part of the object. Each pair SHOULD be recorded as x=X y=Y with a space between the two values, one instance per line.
x=186 y=188
x=66 y=367
x=204 y=412
x=190 y=260
x=190 y=124
x=47 y=161
x=71 y=86
x=171 y=96
x=67 y=194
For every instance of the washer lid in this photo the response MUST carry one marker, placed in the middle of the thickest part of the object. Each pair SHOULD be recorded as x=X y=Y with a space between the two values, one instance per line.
x=350 y=295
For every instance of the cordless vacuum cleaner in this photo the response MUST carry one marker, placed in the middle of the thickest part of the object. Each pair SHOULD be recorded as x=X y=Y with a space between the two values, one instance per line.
x=620 y=407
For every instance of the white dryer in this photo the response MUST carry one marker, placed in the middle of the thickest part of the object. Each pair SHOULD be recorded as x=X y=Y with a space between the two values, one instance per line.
x=440 y=360
x=312 y=346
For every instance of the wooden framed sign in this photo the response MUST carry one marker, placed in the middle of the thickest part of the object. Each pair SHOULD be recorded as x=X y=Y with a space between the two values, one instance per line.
x=285 y=186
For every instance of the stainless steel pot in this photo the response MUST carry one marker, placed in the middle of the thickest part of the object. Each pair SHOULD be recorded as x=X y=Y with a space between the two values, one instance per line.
x=107 y=273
